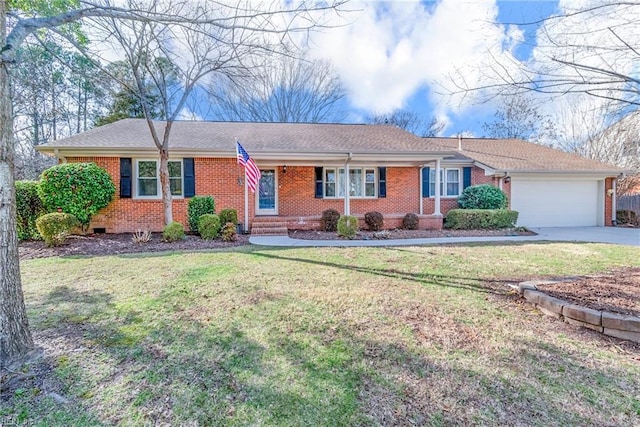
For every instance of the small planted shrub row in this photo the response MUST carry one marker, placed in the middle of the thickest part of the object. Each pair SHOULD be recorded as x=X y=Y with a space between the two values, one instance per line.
x=374 y=220
x=484 y=196
x=626 y=217
x=410 y=221
x=55 y=227
x=209 y=226
x=229 y=233
x=347 y=226
x=198 y=206
x=173 y=232
x=329 y=220
x=480 y=219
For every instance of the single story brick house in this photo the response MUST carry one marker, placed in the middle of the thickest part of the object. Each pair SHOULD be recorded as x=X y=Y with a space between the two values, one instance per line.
x=353 y=168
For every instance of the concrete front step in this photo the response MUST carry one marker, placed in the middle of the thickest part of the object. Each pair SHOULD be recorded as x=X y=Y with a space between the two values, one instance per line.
x=269 y=231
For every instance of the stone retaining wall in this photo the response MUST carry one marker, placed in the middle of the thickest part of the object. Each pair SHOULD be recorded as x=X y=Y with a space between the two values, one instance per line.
x=615 y=325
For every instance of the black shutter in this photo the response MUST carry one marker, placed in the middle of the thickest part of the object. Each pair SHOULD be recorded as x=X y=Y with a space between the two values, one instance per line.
x=466 y=177
x=382 y=182
x=125 y=178
x=189 y=177
x=425 y=182
x=318 y=182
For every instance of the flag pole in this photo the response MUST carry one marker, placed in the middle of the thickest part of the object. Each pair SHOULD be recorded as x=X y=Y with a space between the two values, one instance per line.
x=246 y=203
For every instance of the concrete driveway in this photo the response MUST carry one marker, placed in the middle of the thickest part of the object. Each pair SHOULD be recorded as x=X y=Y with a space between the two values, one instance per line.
x=614 y=235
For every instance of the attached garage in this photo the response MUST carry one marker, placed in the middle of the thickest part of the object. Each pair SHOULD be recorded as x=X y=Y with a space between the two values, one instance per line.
x=557 y=202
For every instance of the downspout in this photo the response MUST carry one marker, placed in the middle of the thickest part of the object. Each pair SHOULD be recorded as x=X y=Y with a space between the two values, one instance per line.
x=420 y=172
x=614 y=202
x=347 y=201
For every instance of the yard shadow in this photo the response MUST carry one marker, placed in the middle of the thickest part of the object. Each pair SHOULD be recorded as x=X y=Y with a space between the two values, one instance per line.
x=469 y=283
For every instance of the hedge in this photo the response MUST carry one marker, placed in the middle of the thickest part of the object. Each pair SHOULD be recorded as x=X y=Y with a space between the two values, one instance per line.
x=480 y=219
x=29 y=207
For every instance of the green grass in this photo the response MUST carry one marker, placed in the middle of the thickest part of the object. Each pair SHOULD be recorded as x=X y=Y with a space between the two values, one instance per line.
x=325 y=337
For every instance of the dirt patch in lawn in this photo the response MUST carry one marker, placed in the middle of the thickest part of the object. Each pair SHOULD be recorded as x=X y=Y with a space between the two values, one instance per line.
x=618 y=292
x=408 y=234
x=115 y=244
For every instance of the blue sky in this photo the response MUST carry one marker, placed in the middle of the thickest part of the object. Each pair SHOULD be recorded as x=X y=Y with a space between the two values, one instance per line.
x=399 y=54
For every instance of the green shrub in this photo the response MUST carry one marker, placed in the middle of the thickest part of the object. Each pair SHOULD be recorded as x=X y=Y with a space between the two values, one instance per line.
x=229 y=233
x=228 y=215
x=173 y=232
x=347 y=226
x=80 y=189
x=329 y=220
x=480 y=219
x=209 y=226
x=374 y=220
x=55 y=227
x=626 y=217
x=410 y=221
x=29 y=207
x=483 y=196
x=198 y=206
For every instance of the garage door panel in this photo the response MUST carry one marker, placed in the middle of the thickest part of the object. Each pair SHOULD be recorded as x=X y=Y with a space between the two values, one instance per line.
x=553 y=203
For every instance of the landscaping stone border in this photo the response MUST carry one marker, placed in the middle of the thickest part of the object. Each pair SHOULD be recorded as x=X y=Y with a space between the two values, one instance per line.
x=607 y=323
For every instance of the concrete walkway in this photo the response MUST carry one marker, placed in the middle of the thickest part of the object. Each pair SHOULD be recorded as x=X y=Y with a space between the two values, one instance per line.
x=613 y=235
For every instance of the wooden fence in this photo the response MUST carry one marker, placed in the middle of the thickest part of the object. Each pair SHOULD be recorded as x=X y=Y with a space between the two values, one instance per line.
x=631 y=203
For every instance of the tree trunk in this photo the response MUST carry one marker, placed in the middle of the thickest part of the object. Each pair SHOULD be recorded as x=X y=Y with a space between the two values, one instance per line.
x=15 y=337
x=166 y=187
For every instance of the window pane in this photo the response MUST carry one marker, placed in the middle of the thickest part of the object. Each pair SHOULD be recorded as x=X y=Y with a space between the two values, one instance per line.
x=370 y=189
x=355 y=182
x=340 y=183
x=330 y=189
x=176 y=186
x=452 y=188
x=452 y=175
x=175 y=169
x=330 y=175
x=370 y=175
x=147 y=187
x=147 y=169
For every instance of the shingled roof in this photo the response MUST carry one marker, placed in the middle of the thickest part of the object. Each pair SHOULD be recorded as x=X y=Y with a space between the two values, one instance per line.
x=220 y=137
x=514 y=155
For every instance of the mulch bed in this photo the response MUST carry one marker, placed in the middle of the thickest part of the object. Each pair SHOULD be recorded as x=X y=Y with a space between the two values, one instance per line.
x=116 y=244
x=618 y=292
x=408 y=234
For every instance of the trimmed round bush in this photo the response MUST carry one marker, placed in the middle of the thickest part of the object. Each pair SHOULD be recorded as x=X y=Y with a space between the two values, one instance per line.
x=55 y=227
x=173 y=232
x=229 y=233
x=480 y=219
x=228 y=215
x=374 y=220
x=198 y=206
x=79 y=189
x=410 y=221
x=29 y=207
x=484 y=196
x=347 y=226
x=329 y=220
x=209 y=226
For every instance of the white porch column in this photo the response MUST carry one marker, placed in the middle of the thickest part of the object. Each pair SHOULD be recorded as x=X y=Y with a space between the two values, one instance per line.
x=436 y=210
x=347 y=202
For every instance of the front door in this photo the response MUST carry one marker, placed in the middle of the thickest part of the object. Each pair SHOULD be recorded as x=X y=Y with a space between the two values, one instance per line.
x=267 y=194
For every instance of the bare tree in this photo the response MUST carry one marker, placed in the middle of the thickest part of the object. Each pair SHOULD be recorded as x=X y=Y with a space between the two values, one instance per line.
x=409 y=121
x=284 y=89
x=592 y=49
x=518 y=117
x=238 y=25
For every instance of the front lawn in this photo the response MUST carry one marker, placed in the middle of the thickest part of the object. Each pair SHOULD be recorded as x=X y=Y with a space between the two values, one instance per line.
x=426 y=335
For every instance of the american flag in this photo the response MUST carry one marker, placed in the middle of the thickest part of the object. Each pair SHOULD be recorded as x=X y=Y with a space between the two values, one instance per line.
x=250 y=169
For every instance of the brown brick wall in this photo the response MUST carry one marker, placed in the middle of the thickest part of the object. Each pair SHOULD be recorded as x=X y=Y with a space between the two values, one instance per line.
x=222 y=179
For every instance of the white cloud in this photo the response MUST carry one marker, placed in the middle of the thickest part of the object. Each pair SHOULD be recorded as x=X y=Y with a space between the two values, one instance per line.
x=393 y=49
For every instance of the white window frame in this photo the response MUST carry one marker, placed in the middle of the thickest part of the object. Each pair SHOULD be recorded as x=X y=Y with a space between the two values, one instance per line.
x=136 y=177
x=443 y=182
x=339 y=183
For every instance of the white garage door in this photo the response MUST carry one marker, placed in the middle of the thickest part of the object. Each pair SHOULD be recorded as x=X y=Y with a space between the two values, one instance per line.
x=555 y=203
